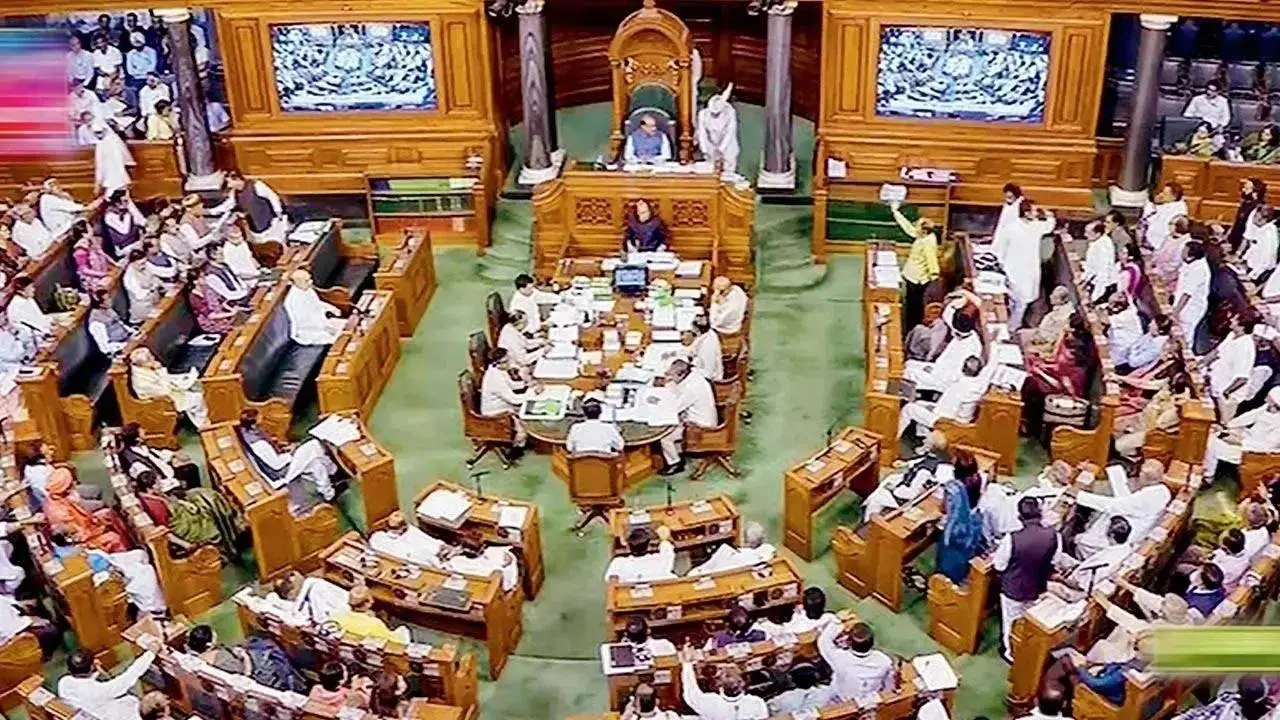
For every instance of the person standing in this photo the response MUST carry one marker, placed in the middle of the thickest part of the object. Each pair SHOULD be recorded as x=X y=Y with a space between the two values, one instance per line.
x=1024 y=559
x=1021 y=260
x=260 y=205
x=921 y=267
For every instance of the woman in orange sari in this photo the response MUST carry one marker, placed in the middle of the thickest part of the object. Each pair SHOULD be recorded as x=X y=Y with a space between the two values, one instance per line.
x=64 y=509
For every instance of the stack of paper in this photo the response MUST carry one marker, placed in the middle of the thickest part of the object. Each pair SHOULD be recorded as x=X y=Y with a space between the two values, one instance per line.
x=663 y=317
x=691 y=293
x=689 y=269
x=445 y=504
x=336 y=430
x=1053 y=612
x=565 y=315
x=563 y=334
x=548 y=369
x=660 y=354
x=885 y=257
x=562 y=351
x=685 y=317
x=512 y=516
x=935 y=672
x=1007 y=354
x=887 y=276
x=633 y=374
x=308 y=232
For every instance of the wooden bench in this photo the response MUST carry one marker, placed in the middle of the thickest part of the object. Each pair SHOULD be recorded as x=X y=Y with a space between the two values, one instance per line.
x=190 y=575
x=361 y=361
x=679 y=609
x=851 y=461
x=409 y=272
x=342 y=271
x=442 y=673
x=485 y=517
x=410 y=591
x=697 y=527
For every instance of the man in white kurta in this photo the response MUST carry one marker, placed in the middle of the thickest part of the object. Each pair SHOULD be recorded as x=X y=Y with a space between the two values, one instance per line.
x=1100 y=271
x=965 y=343
x=911 y=477
x=1124 y=328
x=959 y=400
x=111 y=159
x=521 y=350
x=58 y=209
x=717 y=131
x=1021 y=260
x=1009 y=212
x=1095 y=565
x=1230 y=365
x=705 y=352
x=501 y=395
x=238 y=255
x=312 y=321
x=308 y=461
x=1255 y=431
x=529 y=300
x=24 y=311
x=30 y=233
x=1191 y=292
x=860 y=671
x=640 y=565
x=103 y=699
x=1141 y=508
x=1158 y=215
x=726 y=557
x=731 y=702
x=592 y=434
x=695 y=404
x=1262 y=242
x=728 y=306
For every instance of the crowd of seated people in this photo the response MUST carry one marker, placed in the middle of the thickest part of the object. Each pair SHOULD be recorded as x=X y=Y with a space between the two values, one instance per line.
x=644 y=564
x=470 y=556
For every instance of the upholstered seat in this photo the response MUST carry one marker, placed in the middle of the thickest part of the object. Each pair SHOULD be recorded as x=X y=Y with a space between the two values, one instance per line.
x=169 y=338
x=82 y=369
x=332 y=270
x=299 y=364
x=276 y=366
x=187 y=357
x=354 y=274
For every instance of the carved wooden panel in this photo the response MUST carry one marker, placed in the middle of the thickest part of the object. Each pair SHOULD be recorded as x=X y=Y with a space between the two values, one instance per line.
x=847 y=64
x=461 y=43
x=689 y=213
x=593 y=211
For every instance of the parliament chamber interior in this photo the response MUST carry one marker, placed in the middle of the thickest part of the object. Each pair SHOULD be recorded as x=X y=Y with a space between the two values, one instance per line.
x=586 y=360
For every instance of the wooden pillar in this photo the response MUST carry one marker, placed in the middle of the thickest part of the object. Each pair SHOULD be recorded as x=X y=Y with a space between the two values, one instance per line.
x=778 y=168
x=196 y=144
x=541 y=161
x=1131 y=191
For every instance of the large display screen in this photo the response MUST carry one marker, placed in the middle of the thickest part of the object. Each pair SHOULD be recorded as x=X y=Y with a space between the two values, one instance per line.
x=962 y=74
x=354 y=66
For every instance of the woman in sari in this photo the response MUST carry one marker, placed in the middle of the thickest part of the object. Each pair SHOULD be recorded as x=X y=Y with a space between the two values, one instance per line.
x=101 y=529
x=213 y=314
x=93 y=266
x=1264 y=147
x=961 y=538
x=200 y=516
x=150 y=380
x=1131 y=276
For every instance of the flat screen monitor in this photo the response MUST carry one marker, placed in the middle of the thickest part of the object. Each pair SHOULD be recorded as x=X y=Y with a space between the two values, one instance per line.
x=976 y=74
x=630 y=279
x=354 y=66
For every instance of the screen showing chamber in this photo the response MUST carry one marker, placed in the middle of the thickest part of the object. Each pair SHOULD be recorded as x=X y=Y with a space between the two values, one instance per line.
x=354 y=66
x=953 y=73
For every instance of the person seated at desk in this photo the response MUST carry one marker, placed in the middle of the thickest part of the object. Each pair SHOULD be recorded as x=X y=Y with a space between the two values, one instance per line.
x=163 y=266
x=1203 y=141
x=24 y=311
x=1126 y=337
x=105 y=699
x=310 y=321
x=1050 y=705
x=738 y=629
x=152 y=92
x=647 y=144
x=636 y=634
x=473 y=557
x=695 y=404
x=1159 y=412
x=359 y=620
x=1024 y=559
x=1101 y=274
x=502 y=392
x=298 y=599
x=162 y=125
x=1231 y=557
x=37 y=471
x=303 y=467
x=1102 y=670
x=643 y=705
x=108 y=331
x=1230 y=365
x=958 y=401
x=705 y=352
x=925 y=341
x=150 y=379
x=101 y=529
x=1262 y=146
x=522 y=351
x=812 y=615
x=644 y=231
x=728 y=306
x=408 y=543
x=1210 y=106
x=17 y=349
x=529 y=299
x=1078 y=575
x=336 y=691
x=1065 y=372
x=640 y=565
x=238 y=254
x=93 y=266
x=1141 y=508
x=592 y=434
x=214 y=314
x=16 y=617
x=260 y=658
x=30 y=233
x=1261 y=244
x=141 y=285
x=911 y=477
x=124 y=224
x=946 y=370
x=1042 y=339
x=1255 y=431
x=732 y=701
x=142 y=587
x=858 y=669
x=58 y=209
x=805 y=695
x=199 y=516
x=726 y=557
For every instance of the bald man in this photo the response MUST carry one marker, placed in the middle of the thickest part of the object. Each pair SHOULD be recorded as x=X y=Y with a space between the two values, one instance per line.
x=728 y=306
x=753 y=552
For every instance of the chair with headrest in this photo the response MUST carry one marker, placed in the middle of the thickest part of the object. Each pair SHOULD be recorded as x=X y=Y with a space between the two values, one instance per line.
x=495 y=315
x=715 y=446
x=596 y=484
x=484 y=433
x=478 y=353
x=657 y=102
x=1203 y=71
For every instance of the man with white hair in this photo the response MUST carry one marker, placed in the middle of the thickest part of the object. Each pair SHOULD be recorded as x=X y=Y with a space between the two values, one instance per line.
x=1141 y=508
x=310 y=321
x=728 y=306
x=958 y=401
x=140 y=60
x=1255 y=431
x=30 y=233
x=726 y=558
x=58 y=210
x=731 y=702
x=912 y=478
x=695 y=404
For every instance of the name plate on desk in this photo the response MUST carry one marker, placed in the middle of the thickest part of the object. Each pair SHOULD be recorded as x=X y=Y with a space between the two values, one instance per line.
x=700 y=507
x=738 y=650
x=253 y=489
x=368 y=449
x=705 y=583
x=641 y=591
x=236 y=466
x=662 y=677
x=675 y=612
x=417 y=651
x=815 y=466
x=842 y=446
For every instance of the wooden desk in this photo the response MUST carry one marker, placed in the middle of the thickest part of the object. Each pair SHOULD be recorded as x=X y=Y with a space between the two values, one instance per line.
x=678 y=609
x=697 y=526
x=191 y=584
x=281 y=541
x=361 y=361
x=408 y=270
x=20 y=658
x=869 y=560
x=484 y=517
x=583 y=213
x=851 y=461
x=1032 y=637
x=223 y=381
x=441 y=673
x=494 y=614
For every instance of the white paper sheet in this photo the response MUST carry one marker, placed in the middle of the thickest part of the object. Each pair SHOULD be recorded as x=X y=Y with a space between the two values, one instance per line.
x=445 y=504
x=935 y=672
x=336 y=430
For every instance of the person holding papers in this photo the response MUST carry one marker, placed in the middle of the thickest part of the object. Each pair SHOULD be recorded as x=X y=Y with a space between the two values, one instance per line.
x=1261 y=244
x=1255 y=431
x=705 y=352
x=858 y=670
x=1100 y=271
x=522 y=351
x=592 y=434
x=728 y=306
x=1140 y=506
x=502 y=393
x=1024 y=559
x=259 y=204
x=642 y=566
x=911 y=477
x=732 y=701
x=726 y=557
x=694 y=404
x=529 y=300
x=921 y=267
x=965 y=343
x=959 y=401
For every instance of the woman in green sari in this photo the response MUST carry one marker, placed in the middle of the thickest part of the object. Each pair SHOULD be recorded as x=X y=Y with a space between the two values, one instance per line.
x=1263 y=146
x=199 y=516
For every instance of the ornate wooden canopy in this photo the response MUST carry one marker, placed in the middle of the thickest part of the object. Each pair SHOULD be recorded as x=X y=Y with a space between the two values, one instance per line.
x=653 y=47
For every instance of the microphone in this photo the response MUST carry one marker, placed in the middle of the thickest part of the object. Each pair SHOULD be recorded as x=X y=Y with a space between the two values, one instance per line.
x=475 y=478
x=670 y=493
x=831 y=431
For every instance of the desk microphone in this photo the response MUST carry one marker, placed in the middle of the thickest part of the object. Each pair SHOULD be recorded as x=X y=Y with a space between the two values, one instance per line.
x=475 y=478
x=670 y=493
x=1093 y=574
x=830 y=431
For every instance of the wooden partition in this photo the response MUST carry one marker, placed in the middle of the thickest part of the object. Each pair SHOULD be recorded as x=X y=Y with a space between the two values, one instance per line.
x=884 y=333
x=1053 y=160
x=679 y=609
x=491 y=614
x=486 y=518
x=583 y=213
x=408 y=270
x=361 y=361
x=1211 y=187
x=20 y=657
x=442 y=673
x=850 y=462
x=156 y=172
x=697 y=527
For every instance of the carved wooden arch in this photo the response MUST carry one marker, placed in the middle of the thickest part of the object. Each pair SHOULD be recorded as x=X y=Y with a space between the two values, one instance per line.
x=653 y=47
